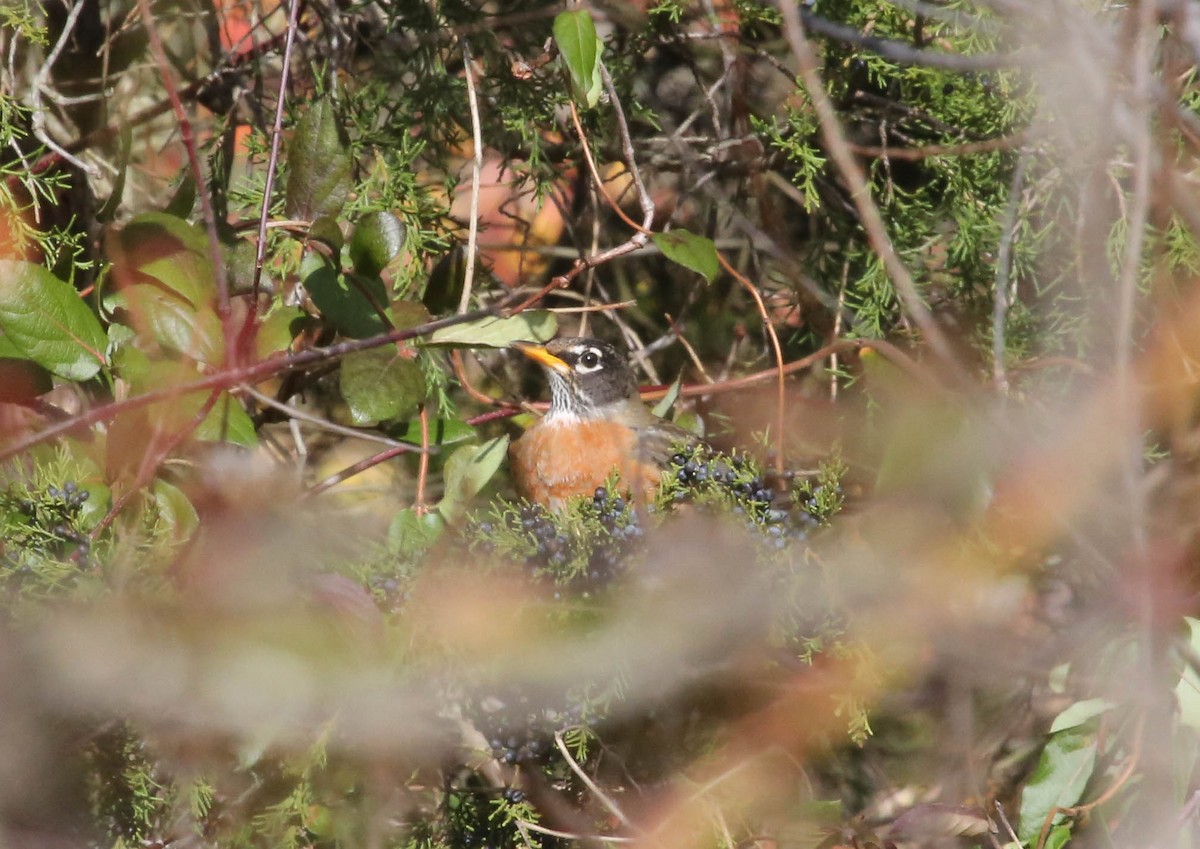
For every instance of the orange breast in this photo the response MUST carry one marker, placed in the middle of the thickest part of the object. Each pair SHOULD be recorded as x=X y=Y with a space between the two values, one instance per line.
x=553 y=463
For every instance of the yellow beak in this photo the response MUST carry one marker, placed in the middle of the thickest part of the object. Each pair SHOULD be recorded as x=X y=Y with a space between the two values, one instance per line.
x=541 y=356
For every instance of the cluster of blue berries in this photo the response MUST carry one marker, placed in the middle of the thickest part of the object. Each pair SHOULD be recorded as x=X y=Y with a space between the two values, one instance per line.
x=580 y=553
x=49 y=526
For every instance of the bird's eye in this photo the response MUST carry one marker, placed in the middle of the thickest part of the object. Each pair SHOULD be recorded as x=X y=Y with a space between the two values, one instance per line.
x=589 y=360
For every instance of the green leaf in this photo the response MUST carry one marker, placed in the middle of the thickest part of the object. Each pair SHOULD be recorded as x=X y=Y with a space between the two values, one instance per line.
x=444 y=288
x=467 y=471
x=46 y=321
x=380 y=384
x=532 y=325
x=378 y=238
x=441 y=432
x=1188 y=690
x=175 y=511
x=174 y=323
x=181 y=203
x=344 y=307
x=328 y=232
x=318 y=164
x=410 y=533
x=667 y=401
x=1062 y=774
x=227 y=421
x=693 y=252
x=581 y=49
x=276 y=331
x=1079 y=713
x=163 y=250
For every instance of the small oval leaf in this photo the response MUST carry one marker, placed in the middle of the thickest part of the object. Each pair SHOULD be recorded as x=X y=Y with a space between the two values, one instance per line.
x=467 y=471
x=46 y=321
x=318 y=164
x=379 y=384
x=693 y=252
x=581 y=49
x=378 y=238
x=532 y=325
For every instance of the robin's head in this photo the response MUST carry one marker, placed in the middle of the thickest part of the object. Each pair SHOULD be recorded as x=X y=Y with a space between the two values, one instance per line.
x=586 y=375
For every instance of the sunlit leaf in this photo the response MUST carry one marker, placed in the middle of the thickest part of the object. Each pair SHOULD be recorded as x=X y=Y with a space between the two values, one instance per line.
x=532 y=325
x=174 y=323
x=160 y=249
x=318 y=164
x=467 y=471
x=46 y=321
x=441 y=432
x=345 y=307
x=696 y=253
x=581 y=49
x=411 y=532
x=378 y=238
x=379 y=384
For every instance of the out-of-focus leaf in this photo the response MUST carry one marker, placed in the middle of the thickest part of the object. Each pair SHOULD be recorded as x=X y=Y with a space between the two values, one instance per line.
x=1188 y=690
x=379 y=384
x=22 y=380
x=1059 y=780
x=110 y=207
x=696 y=253
x=227 y=421
x=444 y=287
x=581 y=49
x=407 y=314
x=1079 y=713
x=441 y=432
x=532 y=325
x=1059 y=836
x=240 y=257
x=275 y=333
x=174 y=323
x=318 y=164
x=161 y=249
x=410 y=533
x=174 y=509
x=378 y=238
x=467 y=471
x=181 y=203
x=342 y=305
x=45 y=320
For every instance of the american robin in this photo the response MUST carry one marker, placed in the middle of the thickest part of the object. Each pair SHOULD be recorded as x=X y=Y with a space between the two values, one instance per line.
x=596 y=424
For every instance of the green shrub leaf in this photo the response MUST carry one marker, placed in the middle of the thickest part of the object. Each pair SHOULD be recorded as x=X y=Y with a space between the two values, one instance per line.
x=378 y=238
x=693 y=252
x=343 y=306
x=163 y=250
x=379 y=384
x=318 y=164
x=581 y=48
x=1059 y=780
x=46 y=321
x=467 y=471
x=174 y=323
x=533 y=325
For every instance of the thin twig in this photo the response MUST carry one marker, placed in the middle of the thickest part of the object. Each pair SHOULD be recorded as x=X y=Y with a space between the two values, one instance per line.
x=260 y=253
x=40 y=87
x=423 y=465
x=324 y=424
x=476 y=172
x=608 y=803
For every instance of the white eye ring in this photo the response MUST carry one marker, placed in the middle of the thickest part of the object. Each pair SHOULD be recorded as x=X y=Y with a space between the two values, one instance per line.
x=589 y=361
